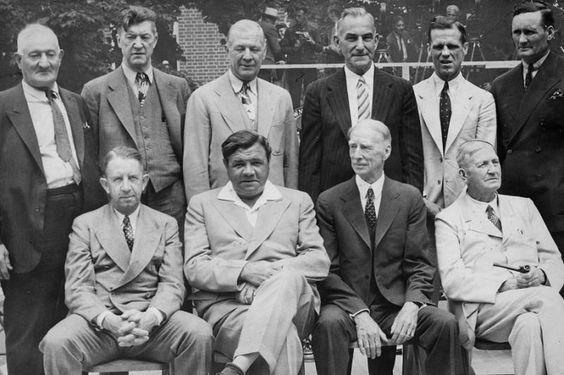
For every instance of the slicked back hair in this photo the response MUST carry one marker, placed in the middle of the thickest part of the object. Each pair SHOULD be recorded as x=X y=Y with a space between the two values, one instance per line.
x=242 y=140
x=445 y=23
x=535 y=6
x=121 y=152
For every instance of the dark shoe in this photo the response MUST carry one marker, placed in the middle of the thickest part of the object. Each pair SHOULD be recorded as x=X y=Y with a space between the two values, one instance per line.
x=231 y=369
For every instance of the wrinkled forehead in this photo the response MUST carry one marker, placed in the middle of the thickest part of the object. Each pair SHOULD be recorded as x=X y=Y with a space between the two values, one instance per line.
x=38 y=40
x=356 y=25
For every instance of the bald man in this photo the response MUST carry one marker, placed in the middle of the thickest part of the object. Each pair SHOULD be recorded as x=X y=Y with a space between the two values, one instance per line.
x=238 y=100
x=47 y=177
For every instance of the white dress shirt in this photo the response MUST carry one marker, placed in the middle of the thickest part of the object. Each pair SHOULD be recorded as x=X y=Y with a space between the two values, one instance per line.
x=58 y=173
x=132 y=219
x=131 y=75
x=454 y=92
x=270 y=193
x=376 y=186
x=352 y=80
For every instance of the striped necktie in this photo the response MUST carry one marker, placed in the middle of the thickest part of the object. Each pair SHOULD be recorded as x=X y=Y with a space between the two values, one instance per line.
x=493 y=218
x=362 y=99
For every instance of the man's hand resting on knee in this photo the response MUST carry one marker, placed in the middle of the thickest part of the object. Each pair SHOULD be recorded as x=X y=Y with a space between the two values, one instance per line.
x=370 y=337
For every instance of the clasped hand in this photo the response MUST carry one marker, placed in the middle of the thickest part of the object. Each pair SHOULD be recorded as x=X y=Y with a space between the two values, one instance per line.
x=255 y=273
x=131 y=328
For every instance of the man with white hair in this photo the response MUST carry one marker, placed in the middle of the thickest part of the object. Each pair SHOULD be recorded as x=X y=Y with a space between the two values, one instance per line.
x=239 y=100
x=47 y=177
x=500 y=268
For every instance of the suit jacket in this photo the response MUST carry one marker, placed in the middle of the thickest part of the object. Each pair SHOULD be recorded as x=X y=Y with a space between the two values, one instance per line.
x=400 y=261
x=273 y=51
x=215 y=112
x=395 y=52
x=473 y=117
x=222 y=241
x=112 y=117
x=23 y=187
x=468 y=244
x=324 y=150
x=102 y=273
x=531 y=135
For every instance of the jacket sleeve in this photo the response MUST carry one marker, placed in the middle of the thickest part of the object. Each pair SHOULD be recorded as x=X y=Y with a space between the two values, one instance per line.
x=291 y=144
x=487 y=121
x=311 y=146
x=410 y=142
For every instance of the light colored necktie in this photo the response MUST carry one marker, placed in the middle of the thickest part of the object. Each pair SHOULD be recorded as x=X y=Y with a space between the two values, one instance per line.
x=61 y=136
x=128 y=232
x=362 y=99
x=142 y=83
x=248 y=103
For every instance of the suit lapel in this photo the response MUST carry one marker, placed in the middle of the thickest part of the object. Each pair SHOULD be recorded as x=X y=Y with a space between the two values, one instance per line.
x=168 y=97
x=353 y=212
x=338 y=100
x=460 y=113
x=430 y=114
x=21 y=119
x=235 y=217
x=112 y=239
x=387 y=212
x=266 y=107
x=268 y=217
x=230 y=106
x=118 y=97
x=146 y=241
x=75 y=120
x=380 y=95
x=477 y=220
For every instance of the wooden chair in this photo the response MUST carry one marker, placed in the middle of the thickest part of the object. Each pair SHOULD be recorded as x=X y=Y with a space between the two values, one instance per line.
x=124 y=366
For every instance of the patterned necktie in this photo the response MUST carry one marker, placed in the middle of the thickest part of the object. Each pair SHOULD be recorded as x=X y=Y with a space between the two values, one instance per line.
x=362 y=99
x=529 y=75
x=492 y=217
x=370 y=210
x=142 y=83
x=128 y=232
x=247 y=102
x=445 y=112
x=61 y=136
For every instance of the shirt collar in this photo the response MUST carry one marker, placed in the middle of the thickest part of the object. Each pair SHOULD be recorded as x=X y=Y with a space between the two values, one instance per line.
x=237 y=84
x=482 y=206
x=132 y=217
x=376 y=186
x=352 y=77
x=270 y=193
x=453 y=84
x=34 y=94
x=131 y=74
x=537 y=64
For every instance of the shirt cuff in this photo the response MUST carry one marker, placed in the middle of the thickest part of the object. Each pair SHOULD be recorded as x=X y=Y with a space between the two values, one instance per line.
x=157 y=314
x=358 y=312
x=100 y=318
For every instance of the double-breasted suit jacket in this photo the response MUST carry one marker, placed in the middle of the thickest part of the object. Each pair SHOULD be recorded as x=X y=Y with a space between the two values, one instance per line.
x=531 y=138
x=324 y=151
x=215 y=112
x=102 y=273
x=23 y=187
x=473 y=117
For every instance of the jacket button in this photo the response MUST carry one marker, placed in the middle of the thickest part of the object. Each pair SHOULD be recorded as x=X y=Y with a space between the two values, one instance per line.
x=538 y=149
x=510 y=151
x=37 y=209
x=439 y=182
x=441 y=160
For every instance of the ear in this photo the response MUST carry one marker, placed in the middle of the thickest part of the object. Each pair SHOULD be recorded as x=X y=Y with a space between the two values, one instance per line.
x=105 y=184
x=145 y=180
x=388 y=151
x=465 y=48
x=462 y=174
x=336 y=39
x=226 y=164
x=156 y=38
x=550 y=33
x=18 y=59
x=61 y=54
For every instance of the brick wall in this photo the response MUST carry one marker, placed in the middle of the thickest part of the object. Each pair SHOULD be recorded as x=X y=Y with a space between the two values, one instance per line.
x=206 y=58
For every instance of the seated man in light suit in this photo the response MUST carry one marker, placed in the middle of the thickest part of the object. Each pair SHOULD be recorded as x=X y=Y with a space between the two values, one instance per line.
x=481 y=229
x=254 y=253
x=124 y=284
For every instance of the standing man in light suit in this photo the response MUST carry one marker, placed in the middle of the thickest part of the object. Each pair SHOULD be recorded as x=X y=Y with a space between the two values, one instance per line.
x=48 y=176
x=483 y=228
x=124 y=284
x=238 y=100
x=452 y=111
x=254 y=256
x=139 y=106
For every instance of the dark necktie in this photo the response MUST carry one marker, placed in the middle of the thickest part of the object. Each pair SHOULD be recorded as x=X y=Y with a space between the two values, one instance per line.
x=142 y=83
x=529 y=75
x=61 y=136
x=370 y=210
x=128 y=232
x=492 y=217
x=445 y=112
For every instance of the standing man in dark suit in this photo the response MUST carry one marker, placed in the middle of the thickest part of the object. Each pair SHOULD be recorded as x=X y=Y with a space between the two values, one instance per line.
x=142 y=107
x=47 y=177
x=359 y=91
x=401 y=44
x=379 y=288
x=530 y=117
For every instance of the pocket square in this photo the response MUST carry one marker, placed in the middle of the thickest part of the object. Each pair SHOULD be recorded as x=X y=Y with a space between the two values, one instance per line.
x=556 y=94
x=85 y=125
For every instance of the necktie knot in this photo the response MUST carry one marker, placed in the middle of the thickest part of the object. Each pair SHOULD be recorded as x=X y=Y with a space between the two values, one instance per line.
x=51 y=94
x=142 y=78
x=445 y=88
x=142 y=83
x=128 y=232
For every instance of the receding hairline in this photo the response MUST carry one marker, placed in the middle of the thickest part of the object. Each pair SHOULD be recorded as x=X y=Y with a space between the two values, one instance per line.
x=355 y=13
x=245 y=26
x=33 y=29
x=468 y=149
x=378 y=126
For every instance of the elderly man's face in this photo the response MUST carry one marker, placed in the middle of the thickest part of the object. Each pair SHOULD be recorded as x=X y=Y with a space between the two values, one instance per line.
x=124 y=183
x=248 y=171
x=246 y=50
x=357 y=42
x=482 y=172
x=40 y=59
x=137 y=45
x=530 y=36
x=368 y=151
x=447 y=52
